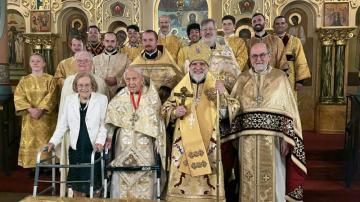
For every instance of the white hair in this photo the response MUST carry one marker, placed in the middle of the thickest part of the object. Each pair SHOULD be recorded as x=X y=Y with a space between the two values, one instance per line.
x=83 y=52
x=137 y=70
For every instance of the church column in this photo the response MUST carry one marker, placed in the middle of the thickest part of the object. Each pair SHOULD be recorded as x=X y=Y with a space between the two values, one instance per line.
x=333 y=70
x=326 y=72
x=331 y=109
x=339 y=96
x=48 y=54
x=6 y=98
x=43 y=43
x=5 y=88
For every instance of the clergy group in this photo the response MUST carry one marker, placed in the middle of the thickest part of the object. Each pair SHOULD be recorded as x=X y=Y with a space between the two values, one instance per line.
x=218 y=113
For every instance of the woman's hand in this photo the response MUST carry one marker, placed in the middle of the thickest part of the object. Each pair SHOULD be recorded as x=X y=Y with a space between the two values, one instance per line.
x=108 y=143
x=98 y=147
x=50 y=146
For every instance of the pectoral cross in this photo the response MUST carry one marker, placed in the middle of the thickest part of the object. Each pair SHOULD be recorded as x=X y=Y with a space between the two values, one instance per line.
x=183 y=95
x=134 y=118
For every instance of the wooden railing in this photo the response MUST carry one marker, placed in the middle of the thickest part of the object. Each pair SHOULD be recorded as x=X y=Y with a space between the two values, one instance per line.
x=352 y=137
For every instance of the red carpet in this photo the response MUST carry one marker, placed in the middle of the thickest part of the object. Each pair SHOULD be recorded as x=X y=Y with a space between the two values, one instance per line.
x=324 y=182
x=326 y=171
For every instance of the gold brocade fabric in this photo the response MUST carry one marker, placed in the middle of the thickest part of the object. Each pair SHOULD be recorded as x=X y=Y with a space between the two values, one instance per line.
x=172 y=43
x=189 y=180
x=183 y=55
x=137 y=142
x=239 y=49
x=278 y=59
x=223 y=65
x=257 y=168
x=35 y=92
x=163 y=70
x=263 y=97
x=78 y=199
x=132 y=52
x=111 y=65
x=64 y=69
x=299 y=69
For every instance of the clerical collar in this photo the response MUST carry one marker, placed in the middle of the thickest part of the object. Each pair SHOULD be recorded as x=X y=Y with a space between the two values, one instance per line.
x=282 y=35
x=94 y=45
x=155 y=54
x=114 y=52
x=197 y=82
x=264 y=35
x=151 y=55
x=285 y=39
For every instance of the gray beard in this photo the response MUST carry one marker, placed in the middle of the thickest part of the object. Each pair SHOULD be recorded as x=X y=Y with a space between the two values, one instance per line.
x=210 y=42
x=197 y=77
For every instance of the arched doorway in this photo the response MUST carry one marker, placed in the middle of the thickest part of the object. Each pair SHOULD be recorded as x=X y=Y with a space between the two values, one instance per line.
x=301 y=18
x=16 y=28
x=119 y=28
x=74 y=22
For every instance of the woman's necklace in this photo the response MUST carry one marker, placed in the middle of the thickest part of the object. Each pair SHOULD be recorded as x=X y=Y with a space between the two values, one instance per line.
x=87 y=104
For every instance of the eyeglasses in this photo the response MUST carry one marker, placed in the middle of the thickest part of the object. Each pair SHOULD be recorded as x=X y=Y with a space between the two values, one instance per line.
x=86 y=86
x=208 y=29
x=82 y=61
x=262 y=56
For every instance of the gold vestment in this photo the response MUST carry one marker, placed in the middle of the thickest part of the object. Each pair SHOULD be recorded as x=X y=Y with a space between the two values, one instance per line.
x=64 y=69
x=162 y=70
x=223 y=64
x=268 y=115
x=238 y=46
x=131 y=51
x=111 y=65
x=192 y=175
x=172 y=43
x=294 y=52
x=137 y=142
x=182 y=57
x=35 y=92
x=276 y=46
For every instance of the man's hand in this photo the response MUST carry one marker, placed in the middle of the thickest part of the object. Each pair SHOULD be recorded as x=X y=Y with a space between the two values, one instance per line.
x=219 y=85
x=98 y=147
x=110 y=80
x=180 y=111
x=284 y=148
x=299 y=86
x=108 y=143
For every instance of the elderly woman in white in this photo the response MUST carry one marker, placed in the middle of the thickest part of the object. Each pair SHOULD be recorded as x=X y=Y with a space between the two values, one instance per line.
x=83 y=115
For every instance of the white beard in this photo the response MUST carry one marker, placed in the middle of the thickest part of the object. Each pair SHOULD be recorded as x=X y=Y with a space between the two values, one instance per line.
x=210 y=41
x=197 y=77
x=260 y=67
